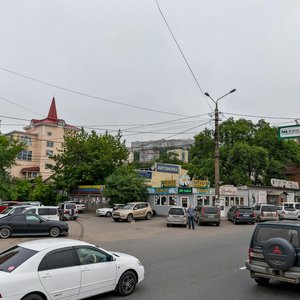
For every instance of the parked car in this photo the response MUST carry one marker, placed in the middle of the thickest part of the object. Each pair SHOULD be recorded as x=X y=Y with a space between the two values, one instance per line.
x=20 y=224
x=177 y=216
x=6 y=204
x=241 y=214
x=265 y=212
x=295 y=205
x=80 y=206
x=274 y=252
x=47 y=212
x=33 y=203
x=67 y=211
x=65 y=269
x=107 y=211
x=133 y=210
x=207 y=214
x=12 y=210
x=287 y=213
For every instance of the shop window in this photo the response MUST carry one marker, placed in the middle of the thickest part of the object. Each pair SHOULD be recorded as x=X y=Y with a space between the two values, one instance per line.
x=226 y=201
x=206 y=200
x=172 y=200
x=237 y=201
x=241 y=201
x=200 y=200
x=49 y=133
x=163 y=200
x=157 y=200
x=231 y=201
x=184 y=202
x=213 y=201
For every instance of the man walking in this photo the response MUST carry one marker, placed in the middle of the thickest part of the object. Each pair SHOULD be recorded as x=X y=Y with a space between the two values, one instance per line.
x=191 y=212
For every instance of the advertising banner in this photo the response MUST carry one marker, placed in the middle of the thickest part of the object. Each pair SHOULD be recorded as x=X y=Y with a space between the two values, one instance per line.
x=167 y=168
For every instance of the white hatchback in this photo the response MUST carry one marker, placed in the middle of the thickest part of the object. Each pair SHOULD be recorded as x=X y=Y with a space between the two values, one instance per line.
x=65 y=269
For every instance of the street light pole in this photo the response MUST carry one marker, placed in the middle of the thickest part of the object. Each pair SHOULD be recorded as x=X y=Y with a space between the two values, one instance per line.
x=217 y=142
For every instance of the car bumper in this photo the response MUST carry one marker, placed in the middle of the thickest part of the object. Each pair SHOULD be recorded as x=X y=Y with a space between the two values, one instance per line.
x=244 y=220
x=262 y=270
x=101 y=213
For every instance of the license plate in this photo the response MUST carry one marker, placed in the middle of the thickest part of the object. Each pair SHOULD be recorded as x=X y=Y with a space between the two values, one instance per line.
x=211 y=216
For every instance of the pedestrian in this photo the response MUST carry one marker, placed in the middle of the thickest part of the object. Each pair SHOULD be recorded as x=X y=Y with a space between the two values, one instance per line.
x=191 y=212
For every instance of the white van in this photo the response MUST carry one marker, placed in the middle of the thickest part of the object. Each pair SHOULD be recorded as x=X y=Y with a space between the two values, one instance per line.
x=296 y=205
x=47 y=212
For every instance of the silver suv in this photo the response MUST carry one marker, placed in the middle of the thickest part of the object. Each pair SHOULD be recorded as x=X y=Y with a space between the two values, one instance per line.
x=67 y=211
x=177 y=216
x=265 y=212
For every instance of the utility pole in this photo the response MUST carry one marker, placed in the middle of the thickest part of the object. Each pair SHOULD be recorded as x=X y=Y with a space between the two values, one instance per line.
x=217 y=144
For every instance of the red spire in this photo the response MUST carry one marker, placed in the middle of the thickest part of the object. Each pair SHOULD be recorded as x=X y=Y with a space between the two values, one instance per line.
x=52 y=111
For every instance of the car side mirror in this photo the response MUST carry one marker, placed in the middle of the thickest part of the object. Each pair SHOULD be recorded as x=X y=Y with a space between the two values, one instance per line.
x=111 y=258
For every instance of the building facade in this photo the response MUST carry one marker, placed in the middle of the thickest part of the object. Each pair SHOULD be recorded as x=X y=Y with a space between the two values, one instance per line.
x=43 y=138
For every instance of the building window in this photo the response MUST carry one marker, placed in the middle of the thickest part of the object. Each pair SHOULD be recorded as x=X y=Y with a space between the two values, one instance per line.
x=49 y=153
x=26 y=140
x=206 y=200
x=49 y=133
x=25 y=155
x=242 y=201
x=162 y=200
x=172 y=200
x=50 y=144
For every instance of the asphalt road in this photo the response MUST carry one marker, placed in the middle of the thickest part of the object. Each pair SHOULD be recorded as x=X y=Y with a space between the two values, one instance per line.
x=205 y=263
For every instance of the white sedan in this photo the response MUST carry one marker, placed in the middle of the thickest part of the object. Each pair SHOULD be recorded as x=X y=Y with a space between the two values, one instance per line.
x=65 y=269
x=107 y=211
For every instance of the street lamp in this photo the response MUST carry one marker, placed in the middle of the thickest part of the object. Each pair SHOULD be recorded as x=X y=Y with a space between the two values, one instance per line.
x=217 y=138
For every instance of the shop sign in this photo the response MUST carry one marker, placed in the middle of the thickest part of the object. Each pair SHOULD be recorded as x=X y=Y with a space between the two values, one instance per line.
x=145 y=174
x=167 y=168
x=201 y=183
x=289 y=132
x=88 y=189
x=200 y=191
x=168 y=183
x=162 y=190
x=228 y=190
x=284 y=183
x=185 y=190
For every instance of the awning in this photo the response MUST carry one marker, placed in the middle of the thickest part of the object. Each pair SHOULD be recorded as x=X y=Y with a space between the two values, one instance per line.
x=30 y=169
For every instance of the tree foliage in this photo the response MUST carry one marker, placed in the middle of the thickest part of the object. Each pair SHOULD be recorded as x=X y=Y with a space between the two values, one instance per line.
x=249 y=153
x=87 y=158
x=125 y=185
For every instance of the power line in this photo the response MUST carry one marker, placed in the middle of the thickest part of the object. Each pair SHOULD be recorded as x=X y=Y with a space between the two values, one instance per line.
x=88 y=95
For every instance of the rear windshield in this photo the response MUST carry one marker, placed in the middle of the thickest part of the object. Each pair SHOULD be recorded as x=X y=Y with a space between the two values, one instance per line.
x=245 y=209
x=176 y=211
x=70 y=206
x=269 y=208
x=210 y=210
x=297 y=206
x=266 y=233
x=12 y=258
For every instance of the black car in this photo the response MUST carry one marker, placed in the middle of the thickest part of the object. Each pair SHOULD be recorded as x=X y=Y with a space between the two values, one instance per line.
x=30 y=224
x=274 y=252
x=241 y=214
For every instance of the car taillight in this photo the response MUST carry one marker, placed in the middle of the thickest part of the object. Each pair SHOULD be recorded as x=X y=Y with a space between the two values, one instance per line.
x=250 y=254
x=203 y=211
x=65 y=211
x=237 y=214
x=76 y=211
x=253 y=214
x=253 y=254
x=262 y=213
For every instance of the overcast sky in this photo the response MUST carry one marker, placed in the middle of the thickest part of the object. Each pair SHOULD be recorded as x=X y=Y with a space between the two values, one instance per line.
x=122 y=51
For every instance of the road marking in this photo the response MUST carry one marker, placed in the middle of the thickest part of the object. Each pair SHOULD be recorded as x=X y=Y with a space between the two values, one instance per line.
x=242 y=268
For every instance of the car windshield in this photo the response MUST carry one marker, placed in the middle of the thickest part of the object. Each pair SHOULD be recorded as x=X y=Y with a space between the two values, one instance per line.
x=269 y=208
x=266 y=233
x=176 y=211
x=297 y=206
x=12 y=258
x=70 y=206
x=128 y=206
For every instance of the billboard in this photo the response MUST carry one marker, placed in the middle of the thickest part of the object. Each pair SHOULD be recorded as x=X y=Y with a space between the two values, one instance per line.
x=167 y=168
x=289 y=132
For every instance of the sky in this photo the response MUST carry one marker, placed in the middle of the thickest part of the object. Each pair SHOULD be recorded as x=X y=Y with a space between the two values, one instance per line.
x=143 y=66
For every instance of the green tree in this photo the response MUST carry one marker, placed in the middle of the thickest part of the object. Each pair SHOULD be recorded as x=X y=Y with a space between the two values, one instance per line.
x=125 y=185
x=87 y=158
x=249 y=153
x=44 y=193
x=9 y=149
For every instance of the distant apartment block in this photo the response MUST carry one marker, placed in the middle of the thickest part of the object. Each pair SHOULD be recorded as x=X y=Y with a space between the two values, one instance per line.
x=43 y=139
x=181 y=154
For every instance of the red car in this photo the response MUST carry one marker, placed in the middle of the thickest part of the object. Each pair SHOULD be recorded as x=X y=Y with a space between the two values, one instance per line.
x=4 y=205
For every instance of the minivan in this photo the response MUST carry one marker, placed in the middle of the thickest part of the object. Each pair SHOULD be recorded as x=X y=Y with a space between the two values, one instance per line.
x=177 y=216
x=207 y=214
x=295 y=205
x=47 y=212
x=265 y=212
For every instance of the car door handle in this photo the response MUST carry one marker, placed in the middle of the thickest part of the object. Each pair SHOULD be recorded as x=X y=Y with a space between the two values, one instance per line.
x=46 y=275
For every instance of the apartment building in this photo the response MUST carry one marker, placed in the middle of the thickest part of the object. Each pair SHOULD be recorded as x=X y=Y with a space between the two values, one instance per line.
x=43 y=139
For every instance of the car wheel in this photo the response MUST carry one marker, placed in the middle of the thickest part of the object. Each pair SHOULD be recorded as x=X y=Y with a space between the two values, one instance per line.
x=116 y=220
x=218 y=223
x=108 y=214
x=279 y=253
x=148 y=216
x=262 y=281
x=126 y=283
x=54 y=231
x=32 y=297
x=130 y=218
x=5 y=233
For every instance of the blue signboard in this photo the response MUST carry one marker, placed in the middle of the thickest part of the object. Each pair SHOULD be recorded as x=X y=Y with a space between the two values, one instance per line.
x=162 y=190
x=146 y=174
x=167 y=168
